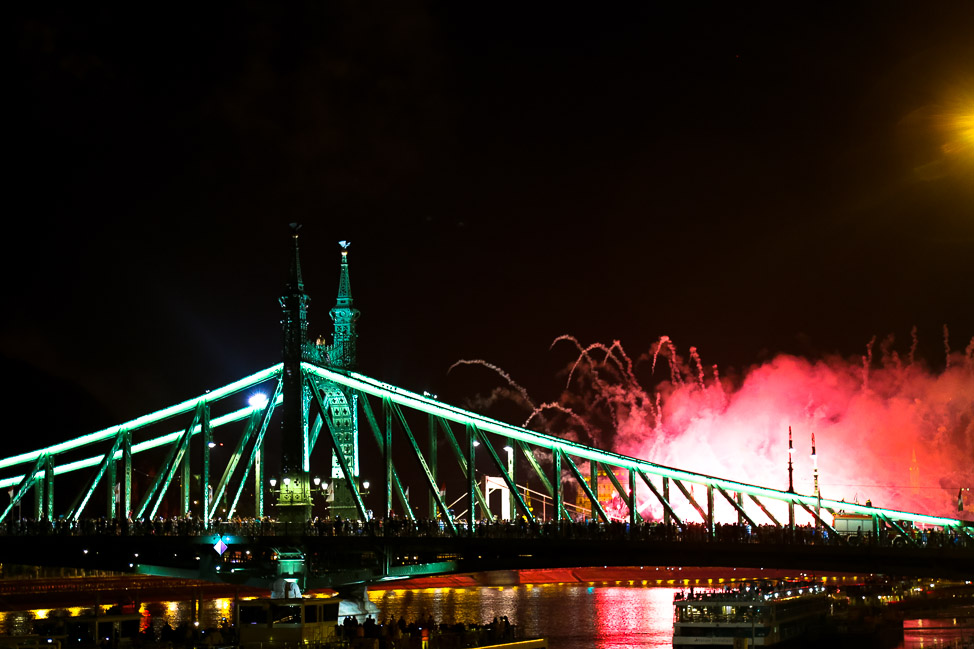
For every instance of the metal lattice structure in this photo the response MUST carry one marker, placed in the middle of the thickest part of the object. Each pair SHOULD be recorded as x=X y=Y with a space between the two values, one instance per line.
x=391 y=415
x=208 y=457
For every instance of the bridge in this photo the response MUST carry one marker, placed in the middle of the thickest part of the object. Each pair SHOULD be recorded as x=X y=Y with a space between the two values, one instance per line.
x=264 y=479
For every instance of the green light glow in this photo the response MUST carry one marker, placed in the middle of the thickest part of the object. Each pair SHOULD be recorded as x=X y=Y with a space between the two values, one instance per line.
x=431 y=406
x=145 y=420
x=162 y=440
x=436 y=408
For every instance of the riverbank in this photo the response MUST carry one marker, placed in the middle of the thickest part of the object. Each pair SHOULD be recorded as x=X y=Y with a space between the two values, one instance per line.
x=624 y=576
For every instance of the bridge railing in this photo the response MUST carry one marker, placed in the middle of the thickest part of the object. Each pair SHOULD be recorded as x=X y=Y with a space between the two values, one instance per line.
x=648 y=532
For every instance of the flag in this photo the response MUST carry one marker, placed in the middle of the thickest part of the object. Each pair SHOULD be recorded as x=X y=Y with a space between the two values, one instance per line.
x=960 y=500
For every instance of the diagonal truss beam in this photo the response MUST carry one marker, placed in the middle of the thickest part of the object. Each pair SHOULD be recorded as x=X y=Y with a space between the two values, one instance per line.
x=667 y=507
x=539 y=472
x=380 y=441
x=255 y=449
x=24 y=485
x=259 y=421
x=626 y=500
x=594 y=499
x=147 y=445
x=462 y=462
x=764 y=509
x=342 y=462
x=430 y=480
x=181 y=449
x=431 y=406
x=909 y=538
x=821 y=521
x=738 y=507
x=691 y=500
x=522 y=506
x=146 y=420
x=93 y=483
x=314 y=432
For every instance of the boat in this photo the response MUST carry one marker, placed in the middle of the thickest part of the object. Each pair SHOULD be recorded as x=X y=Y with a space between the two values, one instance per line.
x=287 y=621
x=752 y=615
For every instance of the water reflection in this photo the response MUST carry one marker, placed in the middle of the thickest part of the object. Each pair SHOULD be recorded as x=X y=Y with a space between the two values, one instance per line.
x=208 y=613
x=571 y=616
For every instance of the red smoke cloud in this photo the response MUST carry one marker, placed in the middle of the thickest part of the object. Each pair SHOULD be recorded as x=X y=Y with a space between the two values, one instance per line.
x=871 y=417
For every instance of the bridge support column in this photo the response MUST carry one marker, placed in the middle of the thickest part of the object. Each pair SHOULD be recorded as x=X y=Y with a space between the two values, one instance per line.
x=471 y=479
x=511 y=471
x=740 y=503
x=791 y=515
x=111 y=500
x=38 y=499
x=205 y=478
x=667 y=519
x=127 y=474
x=387 y=460
x=711 y=530
x=259 y=480
x=556 y=486
x=49 y=488
x=432 y=466
x=632 y=501
x=184 y=488
x=594 y=483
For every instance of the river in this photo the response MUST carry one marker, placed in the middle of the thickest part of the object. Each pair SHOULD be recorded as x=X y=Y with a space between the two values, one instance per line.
x=571 y=616
x=578 y=616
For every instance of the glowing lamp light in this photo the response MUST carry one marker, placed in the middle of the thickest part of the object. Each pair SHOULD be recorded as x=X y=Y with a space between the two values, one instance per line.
x=211 y=444
x=317 y=481
x=273 y=482
x=509 y=448
x=257 y=400
x=365 y=485
x=476 y=443
x=287 y=481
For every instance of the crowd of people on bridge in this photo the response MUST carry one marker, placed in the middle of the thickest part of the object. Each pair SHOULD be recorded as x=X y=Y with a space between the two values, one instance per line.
x=649 y=531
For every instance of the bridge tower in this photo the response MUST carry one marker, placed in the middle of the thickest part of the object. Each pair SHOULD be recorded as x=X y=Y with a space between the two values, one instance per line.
x=342 y=403
x=294 y=495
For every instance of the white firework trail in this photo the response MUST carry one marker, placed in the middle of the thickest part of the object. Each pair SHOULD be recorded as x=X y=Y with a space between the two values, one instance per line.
x=563 y=409
x=504 y=375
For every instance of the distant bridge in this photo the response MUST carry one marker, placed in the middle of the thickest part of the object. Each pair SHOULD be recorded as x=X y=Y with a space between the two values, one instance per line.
x=205 y=463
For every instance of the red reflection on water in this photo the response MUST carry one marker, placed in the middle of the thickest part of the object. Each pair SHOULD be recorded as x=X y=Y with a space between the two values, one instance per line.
x=631 y=618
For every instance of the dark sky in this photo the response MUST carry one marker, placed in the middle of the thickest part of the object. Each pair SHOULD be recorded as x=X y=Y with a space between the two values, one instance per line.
x=741 y=179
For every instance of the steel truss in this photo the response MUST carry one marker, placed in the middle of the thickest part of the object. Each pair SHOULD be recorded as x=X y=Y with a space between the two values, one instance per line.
x=394 y=416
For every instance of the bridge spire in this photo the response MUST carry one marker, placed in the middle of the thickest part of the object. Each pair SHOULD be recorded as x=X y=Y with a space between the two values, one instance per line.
x=342 y=352
x=294 y=496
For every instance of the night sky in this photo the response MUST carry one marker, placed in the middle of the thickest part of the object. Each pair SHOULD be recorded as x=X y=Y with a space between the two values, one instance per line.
x=743 y=180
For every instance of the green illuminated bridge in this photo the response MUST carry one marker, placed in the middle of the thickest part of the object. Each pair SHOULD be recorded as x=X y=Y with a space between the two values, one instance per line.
x=263 y=478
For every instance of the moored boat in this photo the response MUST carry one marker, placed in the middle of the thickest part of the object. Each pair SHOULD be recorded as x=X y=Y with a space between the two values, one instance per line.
x=752 y=615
